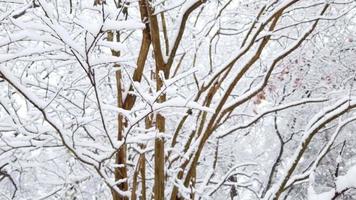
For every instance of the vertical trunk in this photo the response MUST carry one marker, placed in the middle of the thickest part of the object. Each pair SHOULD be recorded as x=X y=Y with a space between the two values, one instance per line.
x=120 y=172
x=148 y=124
x=159 y=145
x=159 y=156
x=140 y=169
x=160 y=120
x=143 y=177
x=127 y=104
x=131 y=99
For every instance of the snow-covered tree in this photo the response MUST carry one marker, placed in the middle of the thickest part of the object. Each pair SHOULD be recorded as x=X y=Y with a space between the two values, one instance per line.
x=177 y=99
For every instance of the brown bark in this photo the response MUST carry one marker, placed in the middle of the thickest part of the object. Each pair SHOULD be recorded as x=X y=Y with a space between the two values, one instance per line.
x=120 y=172
x=142 y=57
x=127 y=104
x=160 y=120
x=131 y=99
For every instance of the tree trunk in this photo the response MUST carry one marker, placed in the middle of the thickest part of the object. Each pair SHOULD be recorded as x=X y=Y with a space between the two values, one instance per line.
x=120 y=172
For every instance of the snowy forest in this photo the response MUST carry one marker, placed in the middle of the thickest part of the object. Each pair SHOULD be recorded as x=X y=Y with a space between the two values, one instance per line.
x=178 y=99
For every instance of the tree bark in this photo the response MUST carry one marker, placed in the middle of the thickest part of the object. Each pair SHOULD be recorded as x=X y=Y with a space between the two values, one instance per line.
x=120 y=172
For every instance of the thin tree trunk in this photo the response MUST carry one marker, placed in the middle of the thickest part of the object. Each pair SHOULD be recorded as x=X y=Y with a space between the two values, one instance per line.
x=160 y=120
x=120 y=172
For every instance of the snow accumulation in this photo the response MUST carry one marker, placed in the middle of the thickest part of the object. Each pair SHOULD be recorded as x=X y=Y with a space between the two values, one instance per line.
x=342 y=183
x=325 y=195
x=346 y=181
x=122 y=25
